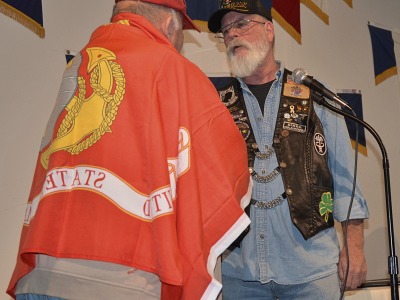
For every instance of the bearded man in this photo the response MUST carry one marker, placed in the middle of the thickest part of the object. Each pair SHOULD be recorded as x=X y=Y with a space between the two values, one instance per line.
x=300 y=161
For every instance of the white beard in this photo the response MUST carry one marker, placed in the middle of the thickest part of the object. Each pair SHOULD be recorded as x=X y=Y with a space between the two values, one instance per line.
x=246 y=65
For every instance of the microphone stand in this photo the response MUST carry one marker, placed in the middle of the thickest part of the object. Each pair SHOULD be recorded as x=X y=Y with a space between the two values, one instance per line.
x=392 y=259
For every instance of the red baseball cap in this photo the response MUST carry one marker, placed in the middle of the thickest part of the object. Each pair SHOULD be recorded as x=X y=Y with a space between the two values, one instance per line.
x=179 y=5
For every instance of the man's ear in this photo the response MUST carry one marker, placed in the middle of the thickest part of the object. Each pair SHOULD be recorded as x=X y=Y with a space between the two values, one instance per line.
x=270 y=29
x=167 y=27
x=269 y=26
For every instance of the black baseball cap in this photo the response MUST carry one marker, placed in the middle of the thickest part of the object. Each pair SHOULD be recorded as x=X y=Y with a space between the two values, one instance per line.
x=250 y=7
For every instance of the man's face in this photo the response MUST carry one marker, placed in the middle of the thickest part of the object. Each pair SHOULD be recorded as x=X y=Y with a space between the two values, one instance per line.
x=246 y=51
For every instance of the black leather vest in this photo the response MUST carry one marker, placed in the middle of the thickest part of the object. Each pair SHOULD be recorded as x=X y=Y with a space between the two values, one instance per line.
x=302 y=153
x=301 y=150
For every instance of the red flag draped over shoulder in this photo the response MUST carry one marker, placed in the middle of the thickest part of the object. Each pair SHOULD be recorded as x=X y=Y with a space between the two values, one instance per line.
x=145 y=169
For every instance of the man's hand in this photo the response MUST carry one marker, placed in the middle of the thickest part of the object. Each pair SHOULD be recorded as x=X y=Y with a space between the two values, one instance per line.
x=358 y=265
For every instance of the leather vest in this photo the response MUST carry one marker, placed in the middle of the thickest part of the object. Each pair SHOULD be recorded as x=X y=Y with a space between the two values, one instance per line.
x=301 y=150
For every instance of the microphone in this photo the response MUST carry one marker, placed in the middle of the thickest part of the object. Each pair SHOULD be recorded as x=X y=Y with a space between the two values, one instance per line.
x=300 y=76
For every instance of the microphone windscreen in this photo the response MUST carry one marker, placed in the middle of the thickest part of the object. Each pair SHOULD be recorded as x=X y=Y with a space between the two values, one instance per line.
x=299 y=75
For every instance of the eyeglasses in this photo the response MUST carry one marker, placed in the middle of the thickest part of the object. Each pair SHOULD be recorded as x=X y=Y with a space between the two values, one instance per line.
x=239 y=26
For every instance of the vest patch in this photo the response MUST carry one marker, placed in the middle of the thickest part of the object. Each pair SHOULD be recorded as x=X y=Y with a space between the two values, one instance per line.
x=319 y=144
x=296 y=90
x=294 y=127
x=326 y=205
x=244 y=129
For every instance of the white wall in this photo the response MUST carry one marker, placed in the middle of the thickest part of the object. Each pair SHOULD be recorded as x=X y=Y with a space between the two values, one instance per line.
x=339 y=54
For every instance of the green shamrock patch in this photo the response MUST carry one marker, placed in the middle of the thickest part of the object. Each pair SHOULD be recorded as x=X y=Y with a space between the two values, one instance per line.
x=326 y=205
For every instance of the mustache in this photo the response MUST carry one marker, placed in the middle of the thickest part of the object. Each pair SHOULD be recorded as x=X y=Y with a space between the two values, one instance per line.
x=236 y=43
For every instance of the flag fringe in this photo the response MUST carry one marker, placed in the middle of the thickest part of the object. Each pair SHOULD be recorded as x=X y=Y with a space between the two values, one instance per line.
x=385 y=75
x=22 y=19
x=203 y=25
x=286 y=25
x=316 y=10
x=349 y=3
x=362 y=149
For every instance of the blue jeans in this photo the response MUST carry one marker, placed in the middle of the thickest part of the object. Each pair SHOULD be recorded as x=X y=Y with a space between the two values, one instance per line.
x=35 y=297
x=327 y=288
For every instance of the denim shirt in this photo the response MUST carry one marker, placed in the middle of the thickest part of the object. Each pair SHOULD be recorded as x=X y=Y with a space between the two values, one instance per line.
x=274 y=249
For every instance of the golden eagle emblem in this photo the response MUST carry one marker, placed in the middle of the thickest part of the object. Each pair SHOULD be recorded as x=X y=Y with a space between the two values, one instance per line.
x=86 y=119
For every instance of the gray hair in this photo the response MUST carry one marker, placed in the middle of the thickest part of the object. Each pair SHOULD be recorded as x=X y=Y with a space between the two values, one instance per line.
x=155 y=14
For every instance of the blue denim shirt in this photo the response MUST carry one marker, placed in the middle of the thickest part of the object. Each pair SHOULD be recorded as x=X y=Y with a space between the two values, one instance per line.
x=274 y=249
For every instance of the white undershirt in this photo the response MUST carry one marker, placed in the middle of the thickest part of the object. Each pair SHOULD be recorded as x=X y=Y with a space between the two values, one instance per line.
x=86 y=279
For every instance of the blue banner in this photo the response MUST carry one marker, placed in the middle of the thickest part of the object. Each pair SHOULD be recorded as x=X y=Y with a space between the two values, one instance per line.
x=354 y=99
x=383 y=53
x=28 y=13
x=201 y=9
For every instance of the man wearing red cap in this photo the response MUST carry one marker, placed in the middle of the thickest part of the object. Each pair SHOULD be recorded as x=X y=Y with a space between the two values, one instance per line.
x=301 y=162
x=134 y=194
